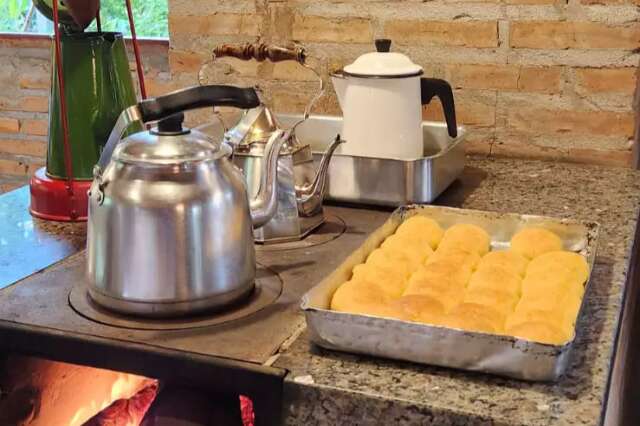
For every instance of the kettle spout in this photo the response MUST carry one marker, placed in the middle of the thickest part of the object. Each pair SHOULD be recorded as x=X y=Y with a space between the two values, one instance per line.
x=265 y=203
x=339 y=81
x=309 y=197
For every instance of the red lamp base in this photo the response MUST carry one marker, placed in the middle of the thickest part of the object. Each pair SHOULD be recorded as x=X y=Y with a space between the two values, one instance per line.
x=50 y=199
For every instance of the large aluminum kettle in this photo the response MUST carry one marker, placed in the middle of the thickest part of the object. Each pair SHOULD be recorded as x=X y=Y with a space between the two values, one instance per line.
x=170 y=228
x=381 y=95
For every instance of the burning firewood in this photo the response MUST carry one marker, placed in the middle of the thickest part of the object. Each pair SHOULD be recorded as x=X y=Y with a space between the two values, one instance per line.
x=38 y=392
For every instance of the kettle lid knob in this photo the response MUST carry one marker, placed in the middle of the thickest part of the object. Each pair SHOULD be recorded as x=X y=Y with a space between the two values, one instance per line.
x=383 y=45
x=171 y=125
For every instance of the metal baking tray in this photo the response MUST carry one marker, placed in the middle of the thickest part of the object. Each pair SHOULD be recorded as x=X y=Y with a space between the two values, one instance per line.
x=442 y=346
x=360 y=179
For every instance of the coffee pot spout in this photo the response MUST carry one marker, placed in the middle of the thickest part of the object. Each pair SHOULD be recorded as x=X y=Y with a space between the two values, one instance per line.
x=309 y=197
x=263 y=207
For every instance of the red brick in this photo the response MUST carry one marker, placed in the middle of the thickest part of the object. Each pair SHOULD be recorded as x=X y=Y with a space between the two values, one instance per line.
x=16 y=167
x=23 y=147
x=540 y=79
x=34 y=104
x=443 y=33
x=544 y=121
x=34 y=127
x=578 y=35
x=468 y=111
x=9 y=125
x=596 y=80
x=34 y=83
x=334 y=30
x=216 y=24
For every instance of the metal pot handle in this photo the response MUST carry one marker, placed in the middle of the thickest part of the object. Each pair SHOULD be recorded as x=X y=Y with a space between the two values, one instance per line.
x=430 y=87
x=155 y=109
x=197 y=97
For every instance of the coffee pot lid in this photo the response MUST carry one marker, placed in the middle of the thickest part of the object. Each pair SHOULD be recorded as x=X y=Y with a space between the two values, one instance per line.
x=383 y=63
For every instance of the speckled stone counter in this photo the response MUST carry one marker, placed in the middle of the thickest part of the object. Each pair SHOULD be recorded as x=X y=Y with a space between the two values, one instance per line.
x=325 y=387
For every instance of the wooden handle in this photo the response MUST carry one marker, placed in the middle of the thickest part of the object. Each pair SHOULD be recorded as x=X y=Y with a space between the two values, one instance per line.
x=260 y=52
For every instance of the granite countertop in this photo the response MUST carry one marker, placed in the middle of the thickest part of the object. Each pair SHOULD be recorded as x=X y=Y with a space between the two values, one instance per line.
x=327 y=387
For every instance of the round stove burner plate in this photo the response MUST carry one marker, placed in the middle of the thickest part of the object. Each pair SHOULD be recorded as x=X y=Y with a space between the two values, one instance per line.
x=267 y=289
x=331 y=229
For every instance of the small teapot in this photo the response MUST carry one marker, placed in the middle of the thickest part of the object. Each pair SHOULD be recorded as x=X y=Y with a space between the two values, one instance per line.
x=381 y=95
x=300 y=186
x=170 y=227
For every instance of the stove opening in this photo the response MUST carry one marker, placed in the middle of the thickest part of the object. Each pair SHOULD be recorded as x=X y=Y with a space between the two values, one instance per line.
x=38 y=392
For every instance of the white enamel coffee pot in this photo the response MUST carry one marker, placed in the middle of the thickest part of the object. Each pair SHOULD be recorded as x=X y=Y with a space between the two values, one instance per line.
x=381 y=96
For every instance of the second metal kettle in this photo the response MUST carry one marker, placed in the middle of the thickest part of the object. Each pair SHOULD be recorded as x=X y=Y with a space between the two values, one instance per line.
x=170 y=224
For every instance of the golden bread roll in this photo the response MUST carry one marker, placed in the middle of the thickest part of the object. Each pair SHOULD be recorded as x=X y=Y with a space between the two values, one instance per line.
x=392 y=261
x=442 y=273
x=560 y=311
x=467 y=237
x=414 y=250
x=551 y=284
x=365 y=298
x=568 y=263
x=420 y=308
x=393 y=284
x=422 y=226
x=408 y=242
x=502 y=301
x=442 y=287
x=541 y=332
x=507 y=259
x=532 y=242
x=496 y=278
x=354 y=294
x=474 y=317
x=463 y=259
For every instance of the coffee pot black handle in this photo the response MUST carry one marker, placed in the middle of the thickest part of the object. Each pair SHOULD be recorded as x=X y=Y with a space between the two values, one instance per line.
x=155 y=109
x=430 y=87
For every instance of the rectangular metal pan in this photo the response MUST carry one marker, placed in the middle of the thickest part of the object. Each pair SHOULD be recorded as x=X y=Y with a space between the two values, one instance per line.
x=385 y=181
x=421 y=343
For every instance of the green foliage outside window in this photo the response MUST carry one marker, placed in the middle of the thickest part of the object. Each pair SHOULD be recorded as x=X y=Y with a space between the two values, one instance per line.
x=150 y=17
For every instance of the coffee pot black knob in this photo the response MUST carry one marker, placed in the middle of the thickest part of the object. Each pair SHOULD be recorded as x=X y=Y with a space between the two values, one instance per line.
x=383 y=45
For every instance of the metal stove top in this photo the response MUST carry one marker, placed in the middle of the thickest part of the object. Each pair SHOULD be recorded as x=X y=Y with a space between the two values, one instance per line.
x=233 y=355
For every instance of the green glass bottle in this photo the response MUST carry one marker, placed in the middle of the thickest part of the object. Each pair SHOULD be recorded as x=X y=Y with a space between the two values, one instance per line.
x=98 y=87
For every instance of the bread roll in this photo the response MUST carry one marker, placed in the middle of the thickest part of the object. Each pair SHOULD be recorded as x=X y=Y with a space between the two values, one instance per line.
x=462 y=259
x=420 y=308
x=392 y=283
x=573 y=265
x=439 y=285
x=501 y=301
x=474 y=317
x=422 y=226
x=496 y=278
x=415 y=248
x=467 y=237
x=532 y=242
x=507 y=259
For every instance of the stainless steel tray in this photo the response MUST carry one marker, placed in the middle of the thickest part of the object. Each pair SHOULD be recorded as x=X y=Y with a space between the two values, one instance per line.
x=384 y=181
x=501 y=355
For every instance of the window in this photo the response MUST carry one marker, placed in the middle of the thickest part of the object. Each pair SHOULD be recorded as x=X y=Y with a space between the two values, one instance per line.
x=150 y=17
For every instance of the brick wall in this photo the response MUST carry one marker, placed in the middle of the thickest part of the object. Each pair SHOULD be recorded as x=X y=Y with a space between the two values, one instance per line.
x=549 y=79
x=24 y=101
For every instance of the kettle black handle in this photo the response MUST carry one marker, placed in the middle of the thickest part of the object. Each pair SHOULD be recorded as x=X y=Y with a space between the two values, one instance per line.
x=430 y=87
x=155 y=109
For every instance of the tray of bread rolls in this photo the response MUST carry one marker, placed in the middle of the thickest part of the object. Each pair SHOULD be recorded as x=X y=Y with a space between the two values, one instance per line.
x=473 y=290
